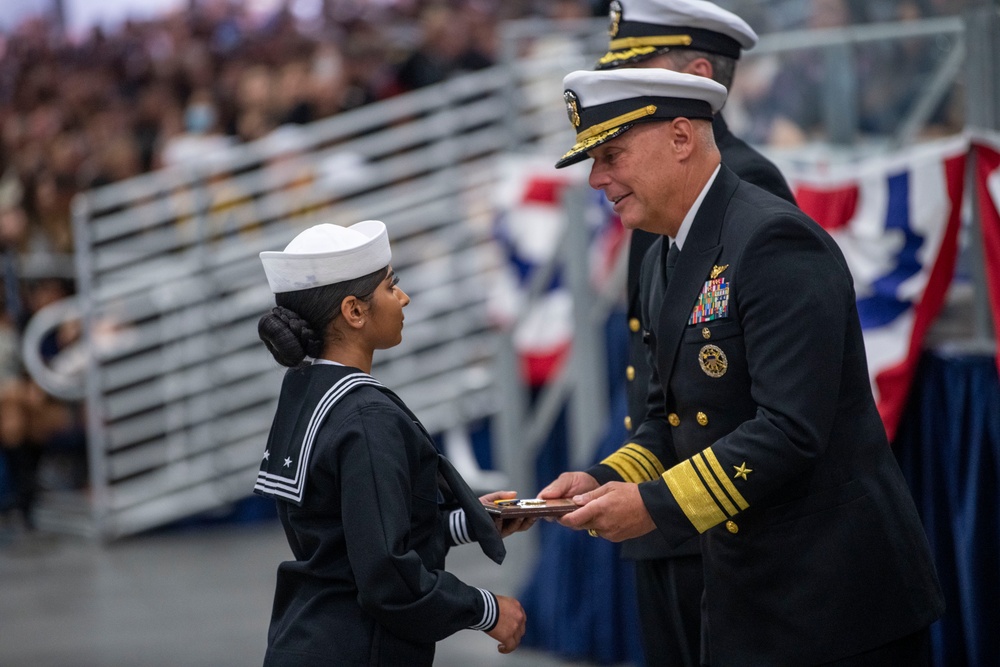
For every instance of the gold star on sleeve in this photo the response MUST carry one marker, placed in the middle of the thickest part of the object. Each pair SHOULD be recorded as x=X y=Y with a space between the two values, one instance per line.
x=742 y=470
x=703 y=492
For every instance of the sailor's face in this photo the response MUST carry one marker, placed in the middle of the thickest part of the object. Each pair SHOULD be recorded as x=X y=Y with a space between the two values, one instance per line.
x=386 y=312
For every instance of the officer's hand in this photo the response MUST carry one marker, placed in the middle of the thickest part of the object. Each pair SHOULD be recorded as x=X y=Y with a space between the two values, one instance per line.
x=569 y=484
x=507 y=526
x=510 y=628
x=614 y=511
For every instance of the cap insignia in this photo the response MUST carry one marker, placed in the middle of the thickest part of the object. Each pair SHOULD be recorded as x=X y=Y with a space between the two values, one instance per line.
x=615 y=16
x=713 y=361
x=572 y=108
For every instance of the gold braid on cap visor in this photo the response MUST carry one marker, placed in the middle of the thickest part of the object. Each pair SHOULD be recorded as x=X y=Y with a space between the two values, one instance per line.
x=627 y=48
x=593 y=133
x=656 y=41
x=613 y=123
x=584 y=146
x=609 y=129
x=624 y=56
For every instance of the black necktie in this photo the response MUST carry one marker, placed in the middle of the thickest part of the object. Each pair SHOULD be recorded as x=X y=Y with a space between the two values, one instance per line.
x=671 y=261
x=479 y=522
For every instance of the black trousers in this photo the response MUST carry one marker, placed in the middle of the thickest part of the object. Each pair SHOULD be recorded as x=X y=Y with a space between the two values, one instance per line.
x=22 y=467
x=669 y=592
x=912 y=651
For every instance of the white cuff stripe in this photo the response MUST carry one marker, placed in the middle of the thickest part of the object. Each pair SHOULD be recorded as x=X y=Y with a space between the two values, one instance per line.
x=459 y=527
x=490 y=614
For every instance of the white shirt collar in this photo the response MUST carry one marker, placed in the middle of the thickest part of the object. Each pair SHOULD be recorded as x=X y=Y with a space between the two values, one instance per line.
x=693 y=211
x=326 y=361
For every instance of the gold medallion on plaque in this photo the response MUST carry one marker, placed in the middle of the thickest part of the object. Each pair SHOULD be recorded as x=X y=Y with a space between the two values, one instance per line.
x=615 y=17
x=572 y=108
x=713 y=361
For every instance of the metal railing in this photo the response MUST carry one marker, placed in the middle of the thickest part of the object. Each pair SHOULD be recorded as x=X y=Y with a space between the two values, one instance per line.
x=179 y=391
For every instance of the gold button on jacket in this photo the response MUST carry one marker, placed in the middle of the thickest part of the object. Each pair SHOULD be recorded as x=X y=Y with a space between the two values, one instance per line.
x=706 y=333
x=702 y=418
x=633 y=324
x=628 y=423
x=674 y=419
x=732 y=527
x=630 y=373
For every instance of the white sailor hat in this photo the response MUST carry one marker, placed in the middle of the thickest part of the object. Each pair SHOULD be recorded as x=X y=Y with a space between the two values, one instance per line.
x=604 y=104
x=640 y=29
x=327 y=254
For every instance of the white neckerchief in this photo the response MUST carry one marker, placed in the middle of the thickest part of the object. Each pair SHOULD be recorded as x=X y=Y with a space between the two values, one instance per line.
x=693 y=211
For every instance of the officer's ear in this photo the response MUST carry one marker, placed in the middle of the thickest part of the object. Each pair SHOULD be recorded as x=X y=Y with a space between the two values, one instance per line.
x=682 y=138
x=700 y=67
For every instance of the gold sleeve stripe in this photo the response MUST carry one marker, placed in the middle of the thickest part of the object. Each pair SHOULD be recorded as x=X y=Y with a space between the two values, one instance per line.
x=723 y=478
x=635 y=463
x=639 y=463
x=693 y=497
x=713 y=486
x=647 y=458
x=611 y=463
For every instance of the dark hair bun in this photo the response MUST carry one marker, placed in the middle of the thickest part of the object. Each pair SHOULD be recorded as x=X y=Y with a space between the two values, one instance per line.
x=288 y=337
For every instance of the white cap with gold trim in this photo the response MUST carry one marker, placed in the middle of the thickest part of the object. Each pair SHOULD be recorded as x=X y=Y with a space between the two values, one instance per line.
x=640 y=29
x=327 y=254
x=605 y=103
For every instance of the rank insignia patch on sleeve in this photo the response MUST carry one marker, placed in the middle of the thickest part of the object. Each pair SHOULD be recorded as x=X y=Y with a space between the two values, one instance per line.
x=713 y=302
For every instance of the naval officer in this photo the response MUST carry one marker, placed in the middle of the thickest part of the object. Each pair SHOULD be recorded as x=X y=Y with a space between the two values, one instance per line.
x=694 y=37
x=761 y=434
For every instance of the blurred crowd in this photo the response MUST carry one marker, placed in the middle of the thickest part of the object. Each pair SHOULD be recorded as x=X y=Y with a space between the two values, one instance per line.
x=842 y=93
x=81 y=112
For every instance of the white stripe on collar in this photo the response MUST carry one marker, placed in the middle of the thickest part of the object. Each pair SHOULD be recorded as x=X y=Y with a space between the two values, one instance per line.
x=293 y=488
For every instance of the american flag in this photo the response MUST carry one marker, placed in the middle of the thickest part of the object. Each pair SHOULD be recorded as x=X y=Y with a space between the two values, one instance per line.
x=986 y=148
x=529 y=230
x=896 y=218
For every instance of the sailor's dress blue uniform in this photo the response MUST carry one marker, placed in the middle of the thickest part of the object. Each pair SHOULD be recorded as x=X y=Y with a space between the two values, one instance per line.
x=357 y=488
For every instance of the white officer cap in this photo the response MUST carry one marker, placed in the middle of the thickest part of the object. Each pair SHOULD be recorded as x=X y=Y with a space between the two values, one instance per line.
x=640 y=29
x=327 y=254
x=604 y=104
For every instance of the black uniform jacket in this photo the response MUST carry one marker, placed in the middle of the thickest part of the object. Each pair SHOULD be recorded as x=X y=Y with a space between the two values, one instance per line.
x=752 y=167
x=367 y=585
x=762 y=435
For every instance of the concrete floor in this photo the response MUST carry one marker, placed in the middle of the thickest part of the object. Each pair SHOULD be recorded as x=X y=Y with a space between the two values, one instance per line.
x=193 y=598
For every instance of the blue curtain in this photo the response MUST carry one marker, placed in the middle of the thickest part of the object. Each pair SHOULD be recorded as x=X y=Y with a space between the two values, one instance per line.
x=580 y=600
x=948 y=446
